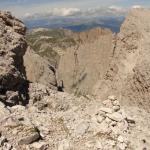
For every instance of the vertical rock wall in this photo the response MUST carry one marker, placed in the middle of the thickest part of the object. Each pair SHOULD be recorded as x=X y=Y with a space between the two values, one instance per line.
x=83 y=64
x=128 y=73
x=12 y=49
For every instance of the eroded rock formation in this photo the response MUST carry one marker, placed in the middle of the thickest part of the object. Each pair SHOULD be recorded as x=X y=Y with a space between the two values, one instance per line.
x=83 y=64
x=12 y=49
x=128 y=73
x=39 y=70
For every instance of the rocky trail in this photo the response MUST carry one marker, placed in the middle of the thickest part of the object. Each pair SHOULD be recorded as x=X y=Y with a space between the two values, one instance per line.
x=34 y=115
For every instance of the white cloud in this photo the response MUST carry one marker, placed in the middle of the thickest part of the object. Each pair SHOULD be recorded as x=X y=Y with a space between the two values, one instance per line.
x=61 y=12
x=117 y=9
x=136 y=6
x=27 y=15
x=64 y=11
x=102 y=11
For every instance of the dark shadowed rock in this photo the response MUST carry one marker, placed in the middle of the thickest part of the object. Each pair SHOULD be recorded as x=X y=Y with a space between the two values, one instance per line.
x=12 y=49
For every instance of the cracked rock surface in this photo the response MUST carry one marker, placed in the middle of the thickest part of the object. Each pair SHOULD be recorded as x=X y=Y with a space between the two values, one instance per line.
x=12 y=49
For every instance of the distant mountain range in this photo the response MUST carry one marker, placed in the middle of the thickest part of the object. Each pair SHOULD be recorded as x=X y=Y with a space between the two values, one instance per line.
x=76 y=24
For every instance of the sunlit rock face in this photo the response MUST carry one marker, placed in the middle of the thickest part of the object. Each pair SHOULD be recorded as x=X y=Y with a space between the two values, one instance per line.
x=83 y=64
x=128 y=73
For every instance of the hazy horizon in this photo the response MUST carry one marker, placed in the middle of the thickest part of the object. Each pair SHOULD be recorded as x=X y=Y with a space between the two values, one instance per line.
x=27 y=8
x=78 y=15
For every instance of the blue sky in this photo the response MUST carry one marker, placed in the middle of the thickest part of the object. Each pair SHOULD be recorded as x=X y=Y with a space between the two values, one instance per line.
x=66 y=7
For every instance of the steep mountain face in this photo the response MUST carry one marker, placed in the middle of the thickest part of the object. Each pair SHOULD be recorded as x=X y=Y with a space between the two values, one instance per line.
x=39 y=70
x=83 y=64
x=48 y=45
x=12 y=49
x=80 y=59
x=128 y=74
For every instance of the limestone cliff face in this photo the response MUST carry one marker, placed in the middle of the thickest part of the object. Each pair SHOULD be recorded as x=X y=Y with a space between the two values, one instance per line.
x=129 y=72
x=12 y=49
x=39 y=70
x=80 y=59
x=83 y=64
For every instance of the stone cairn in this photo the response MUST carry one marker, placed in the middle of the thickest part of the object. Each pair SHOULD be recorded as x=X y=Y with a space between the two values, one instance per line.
x=112 y=126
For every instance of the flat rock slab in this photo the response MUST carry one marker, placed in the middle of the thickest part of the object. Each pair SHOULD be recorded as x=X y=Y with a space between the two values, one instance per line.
x=29 y=139
x=115 y=116
x=107 y=110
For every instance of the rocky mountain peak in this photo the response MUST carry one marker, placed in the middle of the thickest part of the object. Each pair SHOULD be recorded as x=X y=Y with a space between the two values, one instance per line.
x=92 y=34
x=12 y=22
